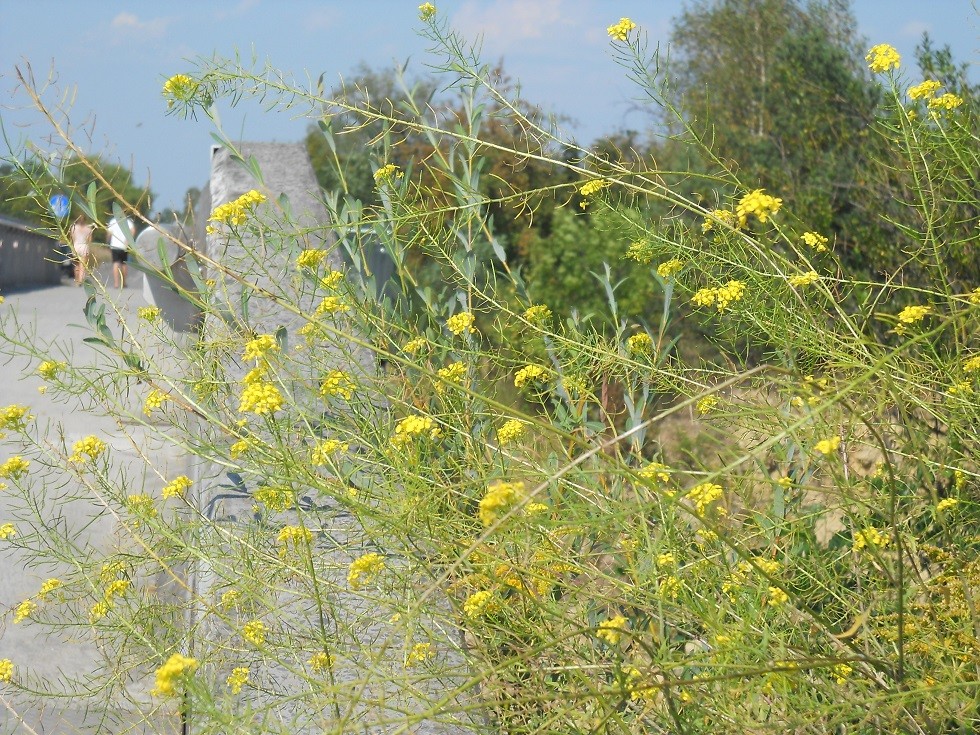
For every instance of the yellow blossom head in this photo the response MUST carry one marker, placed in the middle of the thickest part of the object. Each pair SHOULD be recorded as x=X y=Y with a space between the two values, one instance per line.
x=883 y=57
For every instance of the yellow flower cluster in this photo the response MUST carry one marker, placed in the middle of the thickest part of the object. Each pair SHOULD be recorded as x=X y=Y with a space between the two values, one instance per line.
x=168 y=674
x=777 y=597
x=593 y=186
x=420 y=652
x=326 y=448
x=274 y=498
x=883 y=57
x=703 y=495
x=236 y=212
x=531 y=374
x=974 y=296
x=24 y=610
x=14 y=467
x=946 y=504
x=176 y=487
x=386 y=174
x=295 y=536
x=179 y=88
x=539 y=314
x=452 y=373
x=260 y=398
x=757 y=203
x=706 y=404
x=511 y=431
x=237 y=679
x=254 y=632
x=154 y=400
x=364 y=569
x=426 y=11
x=620 y=31
x=479 y=603
x=412 y=426
x=611 y=631
x=499 y=498
x=827 y=446
x=670 y=268
x=911 y=315
x=49 y=586
x=331 y=305
x=972 y=365
x=719 y=215
x=925 y=90
x=90 y=446
x=310 y=258
x=49 y=369
x=816 y=241
x=461 y=323
x=416 y=345
x=337 y=383
x=332 y=279
x=721 y=297
x=640 y=343
x=141 y=505
x=948 y=101
x=256 y=349
x=841 y=672
x=6 y=670
x=670 y=587
x=320 y=662
x=655 y=472
x=148 y=313
x=7 y=530
x=641 y=251
x=870 y=537
x=804 y=279
x=14 y=417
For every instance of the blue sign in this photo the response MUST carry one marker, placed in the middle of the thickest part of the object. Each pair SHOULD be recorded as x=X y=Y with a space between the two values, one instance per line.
x=60 y=205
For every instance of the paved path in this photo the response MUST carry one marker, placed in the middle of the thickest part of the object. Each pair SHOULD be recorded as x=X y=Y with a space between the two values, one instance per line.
x=57 y=312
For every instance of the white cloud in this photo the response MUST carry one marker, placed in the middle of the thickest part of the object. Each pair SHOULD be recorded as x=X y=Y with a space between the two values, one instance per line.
x=504 y=24
x=128 y=26
x=241 y=9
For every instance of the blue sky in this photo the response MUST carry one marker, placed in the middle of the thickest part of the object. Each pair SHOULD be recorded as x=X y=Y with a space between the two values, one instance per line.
x=107 y=60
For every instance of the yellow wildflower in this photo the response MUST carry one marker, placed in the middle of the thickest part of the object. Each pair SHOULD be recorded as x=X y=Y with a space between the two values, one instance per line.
x=179 y=88
x=416 y=345
x=620 y=31
x=255 y=632
x=6 y=670
x=946 y=101
x=804 y=279
x=641 y=251
x=511 y=431
x=531 y=374
x=706 y=404
x=593 y=186
x=670 y=587
x=115 y=589
x=461 y=323
x=913 y=314
x=296 y=536
x=49 y=369
x=49 y=586
x=14 y=417
x=499 y=498
x=260 y=399
x=275 y=499
x=539 y=314
x=479 y=603
x=141 y=505
x=946 y=504
x=256 y=349
x=611 y=631
x=655 y=471
x=452 y=373
x=236 y=212
x=90 y=446
x=667 y=559
x=310 y=258
x=413 y=426
x=925 y=90
x=364 y=569
x=326 y=448
x=827 y=446
x=320 y=662
x=757 y=203
x=7 y=531
x=972 y=365
x=669 y=268
x=331 y=305
x=176 y=487
x=420 y=652
x=816 y=241
x=24 y=610
x=237 y=679
x=332 y=280
x=426 y=11
x=148 y=313
x=703 y=495
x=14 y=467
x=841 y=672
x=640 y=343
x=974 y=296
x=338 y=383
x=720 y=215
x=98 y=611
x=883 y=57
x=870 y=537
x=386 y=174
x=167 y=675
x=777 y=597
x=154 y=400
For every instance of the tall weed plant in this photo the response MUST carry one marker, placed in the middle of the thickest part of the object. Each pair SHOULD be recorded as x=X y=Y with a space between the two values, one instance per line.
x=463 y=514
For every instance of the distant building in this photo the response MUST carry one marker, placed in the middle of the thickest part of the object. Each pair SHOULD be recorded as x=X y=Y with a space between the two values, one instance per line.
x=29 y=257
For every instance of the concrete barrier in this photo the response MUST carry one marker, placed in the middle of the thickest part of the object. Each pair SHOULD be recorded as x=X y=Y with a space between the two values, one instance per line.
x=28 y=257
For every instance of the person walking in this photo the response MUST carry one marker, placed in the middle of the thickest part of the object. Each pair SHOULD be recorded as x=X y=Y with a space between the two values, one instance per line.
x=119 y=246
x=81 y=242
